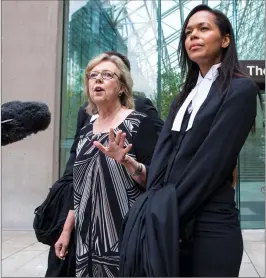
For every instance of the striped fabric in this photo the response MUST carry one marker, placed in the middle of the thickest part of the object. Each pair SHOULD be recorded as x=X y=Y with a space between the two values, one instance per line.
x=103 y=194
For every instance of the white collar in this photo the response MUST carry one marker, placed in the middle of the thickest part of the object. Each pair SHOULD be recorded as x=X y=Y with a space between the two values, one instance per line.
x=94 y=117
x=211 y=74
x=203 y=85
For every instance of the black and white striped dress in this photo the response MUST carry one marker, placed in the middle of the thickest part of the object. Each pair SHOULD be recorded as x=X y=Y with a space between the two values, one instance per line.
x=103 y=193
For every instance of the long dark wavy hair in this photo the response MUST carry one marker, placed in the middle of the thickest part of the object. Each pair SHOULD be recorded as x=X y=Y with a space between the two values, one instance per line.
x=230 y=65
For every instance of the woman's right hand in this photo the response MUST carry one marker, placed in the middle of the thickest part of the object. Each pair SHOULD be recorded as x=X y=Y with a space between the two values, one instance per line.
x=116 y=148
x=61 y=246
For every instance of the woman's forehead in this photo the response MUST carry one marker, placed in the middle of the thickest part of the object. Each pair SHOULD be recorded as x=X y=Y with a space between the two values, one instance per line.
x=201 y=17
x=106 y=65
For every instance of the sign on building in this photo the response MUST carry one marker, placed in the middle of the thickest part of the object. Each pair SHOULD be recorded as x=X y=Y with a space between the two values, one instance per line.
x=255 y=69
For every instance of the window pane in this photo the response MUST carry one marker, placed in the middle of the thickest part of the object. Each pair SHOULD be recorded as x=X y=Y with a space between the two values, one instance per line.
x=148 y=33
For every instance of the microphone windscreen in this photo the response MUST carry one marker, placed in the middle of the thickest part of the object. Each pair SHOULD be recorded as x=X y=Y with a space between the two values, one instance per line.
x=20 y=119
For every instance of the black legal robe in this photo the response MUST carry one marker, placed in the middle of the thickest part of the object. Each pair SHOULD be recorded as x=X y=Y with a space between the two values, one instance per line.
x=186 y=177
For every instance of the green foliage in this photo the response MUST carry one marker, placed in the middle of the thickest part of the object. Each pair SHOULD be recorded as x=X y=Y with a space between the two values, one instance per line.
x=170 y=83
x=72 y=101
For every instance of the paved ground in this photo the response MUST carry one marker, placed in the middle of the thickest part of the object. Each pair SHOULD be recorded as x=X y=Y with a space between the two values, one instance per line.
x=23 y=256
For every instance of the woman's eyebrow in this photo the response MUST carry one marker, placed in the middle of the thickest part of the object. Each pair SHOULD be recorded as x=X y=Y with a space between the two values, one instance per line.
x=200 y=23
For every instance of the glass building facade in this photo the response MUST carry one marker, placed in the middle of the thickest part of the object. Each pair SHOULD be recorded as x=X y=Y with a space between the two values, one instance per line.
x=148 y=33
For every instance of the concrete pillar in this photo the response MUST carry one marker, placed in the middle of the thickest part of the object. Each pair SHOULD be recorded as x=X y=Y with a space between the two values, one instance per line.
x=31 y=71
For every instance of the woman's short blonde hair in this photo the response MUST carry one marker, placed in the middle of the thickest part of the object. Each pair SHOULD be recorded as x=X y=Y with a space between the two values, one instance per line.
x=125 y=78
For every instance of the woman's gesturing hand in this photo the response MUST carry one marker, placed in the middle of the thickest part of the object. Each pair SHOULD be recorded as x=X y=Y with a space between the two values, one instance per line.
x=116 y=148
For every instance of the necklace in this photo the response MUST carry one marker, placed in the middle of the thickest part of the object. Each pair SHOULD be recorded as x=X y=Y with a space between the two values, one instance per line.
x=109 y=122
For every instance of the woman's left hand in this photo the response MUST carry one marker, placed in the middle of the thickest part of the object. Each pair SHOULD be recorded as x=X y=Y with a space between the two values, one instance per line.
x=116 y=148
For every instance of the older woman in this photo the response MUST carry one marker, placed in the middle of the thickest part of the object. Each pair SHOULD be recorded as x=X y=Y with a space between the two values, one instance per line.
x=105 y=189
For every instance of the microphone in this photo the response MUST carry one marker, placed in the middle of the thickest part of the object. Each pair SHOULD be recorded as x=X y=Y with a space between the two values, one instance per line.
x=21 y=119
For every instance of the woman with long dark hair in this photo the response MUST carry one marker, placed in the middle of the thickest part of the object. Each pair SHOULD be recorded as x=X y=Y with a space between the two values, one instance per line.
x=187 y=223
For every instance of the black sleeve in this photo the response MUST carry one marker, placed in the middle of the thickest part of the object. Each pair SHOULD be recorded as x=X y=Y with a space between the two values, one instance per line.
x=144 y=142
x=218 y=154
x=145 y=106
x=82 y=117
